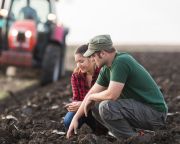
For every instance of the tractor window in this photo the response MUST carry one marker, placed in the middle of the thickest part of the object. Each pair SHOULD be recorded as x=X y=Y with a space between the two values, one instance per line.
x=31 y=9
x=42 y=8
x=17 y=6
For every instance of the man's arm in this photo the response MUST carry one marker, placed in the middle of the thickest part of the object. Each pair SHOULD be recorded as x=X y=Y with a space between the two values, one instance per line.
x=112 y=93
x=95 y=89
x=74 y=123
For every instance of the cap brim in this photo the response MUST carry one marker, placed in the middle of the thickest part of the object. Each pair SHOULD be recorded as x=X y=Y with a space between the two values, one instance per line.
x=88 y=53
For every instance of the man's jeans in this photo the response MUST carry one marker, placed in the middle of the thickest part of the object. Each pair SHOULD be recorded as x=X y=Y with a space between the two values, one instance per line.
x=123 y=116
x=90 y=120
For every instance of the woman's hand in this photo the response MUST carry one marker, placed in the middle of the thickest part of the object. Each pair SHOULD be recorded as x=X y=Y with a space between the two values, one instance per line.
x=73 y=106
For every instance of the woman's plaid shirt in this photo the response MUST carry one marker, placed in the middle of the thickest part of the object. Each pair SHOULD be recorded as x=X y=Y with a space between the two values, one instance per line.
x=80 y=86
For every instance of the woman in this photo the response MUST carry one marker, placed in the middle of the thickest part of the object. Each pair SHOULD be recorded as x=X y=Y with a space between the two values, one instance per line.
x=82 y=79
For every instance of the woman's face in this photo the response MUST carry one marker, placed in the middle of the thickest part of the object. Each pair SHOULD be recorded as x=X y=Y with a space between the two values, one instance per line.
x=83 y=63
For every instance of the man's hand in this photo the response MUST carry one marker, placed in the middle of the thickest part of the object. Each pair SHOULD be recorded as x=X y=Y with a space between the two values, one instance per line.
x=88 y=104
x=73 y=107
x=73 y=127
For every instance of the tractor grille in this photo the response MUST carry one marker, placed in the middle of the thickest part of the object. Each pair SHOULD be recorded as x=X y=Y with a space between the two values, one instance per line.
x=16 y=58
x=21 y=37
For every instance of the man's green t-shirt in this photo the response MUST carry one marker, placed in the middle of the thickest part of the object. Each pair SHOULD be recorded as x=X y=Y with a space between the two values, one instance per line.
x=139 y=84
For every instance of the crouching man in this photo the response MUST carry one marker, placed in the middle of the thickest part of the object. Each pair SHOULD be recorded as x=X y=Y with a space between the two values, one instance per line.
x=125 y=97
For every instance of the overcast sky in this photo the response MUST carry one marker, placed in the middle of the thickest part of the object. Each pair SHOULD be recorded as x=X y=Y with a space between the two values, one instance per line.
x=127 y=21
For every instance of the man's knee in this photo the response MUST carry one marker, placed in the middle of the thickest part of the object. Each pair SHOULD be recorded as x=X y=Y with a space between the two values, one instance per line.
x=110 y=110
x=103 y=104
x=104 y=110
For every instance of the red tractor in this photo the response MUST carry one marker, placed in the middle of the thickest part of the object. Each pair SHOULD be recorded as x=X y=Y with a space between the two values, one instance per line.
x=31 y=37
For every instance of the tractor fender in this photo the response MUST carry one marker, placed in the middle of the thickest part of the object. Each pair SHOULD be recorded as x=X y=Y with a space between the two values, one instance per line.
x=58 y=35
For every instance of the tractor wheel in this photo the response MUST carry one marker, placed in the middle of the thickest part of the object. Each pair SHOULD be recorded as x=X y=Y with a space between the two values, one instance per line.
x=3 y=69
x=52 y=65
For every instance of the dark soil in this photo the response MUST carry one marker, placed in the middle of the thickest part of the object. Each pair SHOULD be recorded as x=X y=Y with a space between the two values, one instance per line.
x=35 y=115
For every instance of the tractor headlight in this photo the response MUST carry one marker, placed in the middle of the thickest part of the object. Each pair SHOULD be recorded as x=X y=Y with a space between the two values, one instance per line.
x=28 y=34
x=52 y=17
x=14 y=32
x=3 y=12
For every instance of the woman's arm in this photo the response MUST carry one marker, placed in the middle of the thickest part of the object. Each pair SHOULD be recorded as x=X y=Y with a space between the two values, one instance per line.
x=75 y=88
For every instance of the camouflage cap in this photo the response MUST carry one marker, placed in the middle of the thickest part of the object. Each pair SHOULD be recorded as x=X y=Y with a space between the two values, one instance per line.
x=98 y=43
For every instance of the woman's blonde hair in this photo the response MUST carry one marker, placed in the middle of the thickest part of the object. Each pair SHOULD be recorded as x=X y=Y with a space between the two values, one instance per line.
x=80 y=50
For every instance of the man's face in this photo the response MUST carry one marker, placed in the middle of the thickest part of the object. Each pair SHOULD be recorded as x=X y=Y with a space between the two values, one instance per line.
x=99 y=60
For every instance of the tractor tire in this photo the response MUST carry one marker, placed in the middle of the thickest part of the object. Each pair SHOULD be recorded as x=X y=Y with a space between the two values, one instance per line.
x=52 y=64
x=3 y=70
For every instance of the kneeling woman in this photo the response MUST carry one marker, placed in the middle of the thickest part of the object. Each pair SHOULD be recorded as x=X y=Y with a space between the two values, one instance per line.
x=82 y=79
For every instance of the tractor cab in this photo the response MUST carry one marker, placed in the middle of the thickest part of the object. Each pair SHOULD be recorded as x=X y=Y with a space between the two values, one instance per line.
x=31 y=37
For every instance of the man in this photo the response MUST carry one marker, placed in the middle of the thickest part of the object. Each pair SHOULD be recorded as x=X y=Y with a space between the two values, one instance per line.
x=128 y=97
x=28 y=12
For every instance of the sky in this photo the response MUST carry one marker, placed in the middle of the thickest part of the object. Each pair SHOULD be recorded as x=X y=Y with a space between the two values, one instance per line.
x=127 y=21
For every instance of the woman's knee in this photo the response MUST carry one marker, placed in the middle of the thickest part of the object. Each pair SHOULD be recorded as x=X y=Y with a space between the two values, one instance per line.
x=68 y=118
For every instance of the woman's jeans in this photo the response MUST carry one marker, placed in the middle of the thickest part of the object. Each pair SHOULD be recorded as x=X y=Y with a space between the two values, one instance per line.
x=89 y=120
